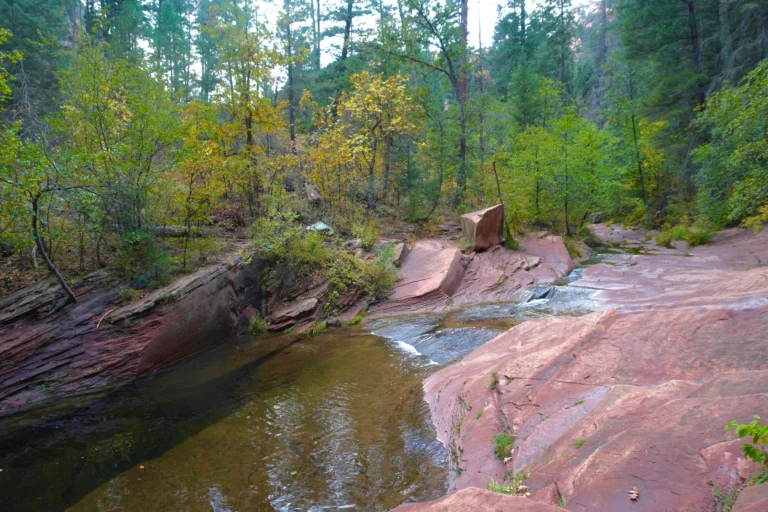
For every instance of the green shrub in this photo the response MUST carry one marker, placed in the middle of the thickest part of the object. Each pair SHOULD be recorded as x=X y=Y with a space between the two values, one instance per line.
x=272 y=234
x=140 y=257
x=494 y=381
x=318 y=328
x=756 y=431
x=511 y=244
x=382 y=274
x=515 y=487
x=579 y=443
x=692 y=236
x=356 y=320
x=257 y=325
x=664 y=239
x=574 y=251
x=695 y=238
x=367 y=232
x=502 y=444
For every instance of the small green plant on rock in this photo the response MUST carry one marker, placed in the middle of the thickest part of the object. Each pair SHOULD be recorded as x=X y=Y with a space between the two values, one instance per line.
x=494 y=381
x=756 y=431
x=367 y=232
x=515 y=486
x=257 y=325
x=574 y=251
x=502 y=444
x=579 y=443
x=724 y=498
x=356 y=320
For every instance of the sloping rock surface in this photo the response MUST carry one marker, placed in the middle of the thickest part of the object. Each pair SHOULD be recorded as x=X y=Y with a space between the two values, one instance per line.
x=436 y=276
x=47 y=352
x=483 y=229
x=636 y=394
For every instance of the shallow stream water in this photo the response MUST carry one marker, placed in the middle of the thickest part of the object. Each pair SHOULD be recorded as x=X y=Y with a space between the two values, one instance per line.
x=333 y=422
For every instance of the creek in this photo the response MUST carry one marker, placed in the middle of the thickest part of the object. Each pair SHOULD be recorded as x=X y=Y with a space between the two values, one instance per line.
x=332 y=422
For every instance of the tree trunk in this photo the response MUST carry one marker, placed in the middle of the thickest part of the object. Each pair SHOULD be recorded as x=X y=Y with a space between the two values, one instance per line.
x=347 y=30
x=696 y=46
x=464 y=61
x=501 y=202
x=314 y=12
x=372 y=175
x=41 y=247
x=291 y=87
x=565 y=156
x=387 y=162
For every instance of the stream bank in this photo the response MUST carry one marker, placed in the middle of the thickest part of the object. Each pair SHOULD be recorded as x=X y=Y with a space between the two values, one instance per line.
x=332 y=421
x=336 y=421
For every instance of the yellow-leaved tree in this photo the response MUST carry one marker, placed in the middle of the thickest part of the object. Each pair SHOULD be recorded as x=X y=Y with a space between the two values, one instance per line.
x=368 y=120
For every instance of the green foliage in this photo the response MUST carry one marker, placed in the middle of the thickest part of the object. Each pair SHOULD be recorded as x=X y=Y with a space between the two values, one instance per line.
x=664 y=239
x=493 y=381
x=758 y=433
x=579 y=443
x=760 y=478
x=367 y=232
x=733 y=178
x=692 y=236
x=478 y=415
x=316 y=329
x=514 y=487
x=356 y=320
x=502 y=444
x=257 y=325
x=140 y=255
x=574 y=250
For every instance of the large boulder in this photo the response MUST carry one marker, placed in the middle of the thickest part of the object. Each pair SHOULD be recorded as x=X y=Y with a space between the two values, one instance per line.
x=483 y=229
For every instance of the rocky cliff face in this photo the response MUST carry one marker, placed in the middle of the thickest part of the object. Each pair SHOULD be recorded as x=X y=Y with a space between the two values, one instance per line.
x=634 y=395
x=47 y=353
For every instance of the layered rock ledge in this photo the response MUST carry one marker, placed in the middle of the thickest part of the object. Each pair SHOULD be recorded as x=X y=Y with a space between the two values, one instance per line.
x=437 y=276
x=634 y=395
x=48 y=351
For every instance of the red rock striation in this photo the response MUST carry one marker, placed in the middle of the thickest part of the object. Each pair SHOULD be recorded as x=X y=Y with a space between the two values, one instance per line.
x=48 y=351
x=636 y=394
x=436 y=276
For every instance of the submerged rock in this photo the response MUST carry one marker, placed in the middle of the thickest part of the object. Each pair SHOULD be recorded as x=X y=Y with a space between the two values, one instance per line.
x=484 y=228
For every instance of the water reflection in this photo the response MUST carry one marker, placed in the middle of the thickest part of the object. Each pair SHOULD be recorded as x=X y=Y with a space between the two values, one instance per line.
x=333 y=422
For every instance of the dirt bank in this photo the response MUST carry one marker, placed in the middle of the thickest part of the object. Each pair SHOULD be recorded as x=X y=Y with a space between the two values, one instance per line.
x=634 y=395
